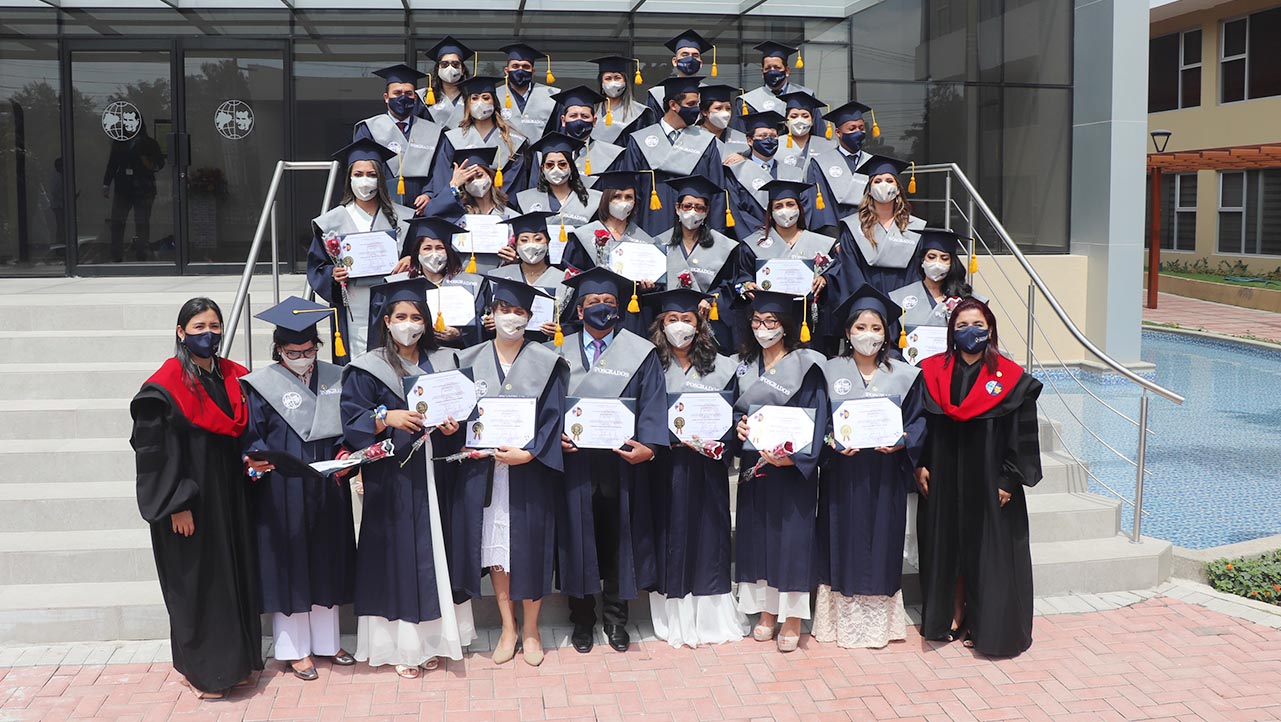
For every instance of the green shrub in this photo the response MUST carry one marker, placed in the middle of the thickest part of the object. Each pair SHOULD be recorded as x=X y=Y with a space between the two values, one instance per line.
x=1258 y=579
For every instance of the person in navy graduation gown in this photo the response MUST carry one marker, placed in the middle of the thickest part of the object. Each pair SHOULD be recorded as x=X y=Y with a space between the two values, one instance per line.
x=716 y=103
x=578 y=121
x=877 y=244
x=430 y=244
x=526 y=104
x=752 y=169
x=692 y=602
x=622 y=192
x=862 y=501
x=836 y=171
x=405 y=611
x=617 y=112
x=776 y=536
x=560 y=184
x=605 y=523
x=443 y=97
x=528 y=262
x=687 y=60
x=409 y=131
x=306 y=536
x=503 y=509
x=482 y=126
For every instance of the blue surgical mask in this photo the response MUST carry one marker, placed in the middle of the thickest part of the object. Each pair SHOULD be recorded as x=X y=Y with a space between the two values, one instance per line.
x=765 y=146
x=578 y=128
x=402 y=105
x=774 y=77
x=971 y=339
x=602 y=316
x=853 y=141
x=520 y=77
x=202 y=345
x=689 y=114
x=689 y=65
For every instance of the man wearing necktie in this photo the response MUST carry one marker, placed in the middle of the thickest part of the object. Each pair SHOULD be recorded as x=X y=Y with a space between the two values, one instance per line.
x=835 y=172
x=407 y=130
x=756 y=166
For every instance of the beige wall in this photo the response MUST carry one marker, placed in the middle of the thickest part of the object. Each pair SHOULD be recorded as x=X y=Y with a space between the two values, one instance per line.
x=1249 y=122
x=1065 y=275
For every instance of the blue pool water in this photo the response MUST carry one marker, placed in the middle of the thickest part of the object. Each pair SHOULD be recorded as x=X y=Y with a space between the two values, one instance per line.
x=1215 y=460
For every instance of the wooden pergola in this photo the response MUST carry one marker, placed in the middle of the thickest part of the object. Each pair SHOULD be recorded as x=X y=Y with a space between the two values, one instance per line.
x=1237 y=158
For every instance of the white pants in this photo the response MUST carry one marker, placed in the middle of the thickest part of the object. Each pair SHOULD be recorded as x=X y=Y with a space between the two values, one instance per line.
x=304 y=634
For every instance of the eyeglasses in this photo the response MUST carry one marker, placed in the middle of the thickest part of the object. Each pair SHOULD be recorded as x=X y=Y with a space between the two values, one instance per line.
x=451 y=63
x=295 y=355
x=692 y=207
x=767 y=323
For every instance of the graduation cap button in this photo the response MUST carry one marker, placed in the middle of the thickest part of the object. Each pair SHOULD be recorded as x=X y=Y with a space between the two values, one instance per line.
x=508 y=387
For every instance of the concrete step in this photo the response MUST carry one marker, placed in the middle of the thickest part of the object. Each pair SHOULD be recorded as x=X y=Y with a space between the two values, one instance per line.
x=69 y=506
x=54 y=461
x=1072 y=517
x=64 y=418
x=58 y=557
x=1060 y=475
x=1093 y=566
x=75 y=381
x=1050 y=432
x=87 y=611
x=94 y=346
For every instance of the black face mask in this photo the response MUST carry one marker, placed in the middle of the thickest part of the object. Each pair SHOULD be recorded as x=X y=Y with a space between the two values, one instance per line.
x=578 y=128
x=765 y=146
x=689 y=64
x=520 y=77
x=774 y=77
x=601 y=317
x=202 y=345
x=853 y=141
x=971 y=339
x=689 y=114
x=402 y=105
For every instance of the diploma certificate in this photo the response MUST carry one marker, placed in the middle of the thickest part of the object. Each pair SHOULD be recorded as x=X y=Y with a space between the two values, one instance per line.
x=455 y=303
x=924 y=342
x=707 y=415
x=867 y=423
x=442 y=395
x=785 y=275
x=600 y=423
x=502 y=421
x=375 y=253
x=638 y=261
x=555 y=246
x=769 y=426
x=544 y=310
x=484 y=234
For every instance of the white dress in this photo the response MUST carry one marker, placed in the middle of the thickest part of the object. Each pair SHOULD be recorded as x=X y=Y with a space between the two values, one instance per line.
x=860 y=621
x=495 y=528
x=757 y=597
x=358 y=295
x=382 y=641
x=693 y=620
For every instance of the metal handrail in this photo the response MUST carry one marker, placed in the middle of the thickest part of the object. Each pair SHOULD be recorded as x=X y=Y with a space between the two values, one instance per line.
x=268 y=217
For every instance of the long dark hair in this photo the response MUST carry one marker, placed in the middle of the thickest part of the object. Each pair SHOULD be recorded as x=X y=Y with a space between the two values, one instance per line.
x=453 y=261
x=749 y=350
x=953 y=284
x=702 y=350
x=575 y=180
x=438 y=86
x=990 y=353
x=602 y=209
x=426 y=343
x=192 y=308
x=769 y=219
x=705 y=239
x=385 y=205
x=883 y=355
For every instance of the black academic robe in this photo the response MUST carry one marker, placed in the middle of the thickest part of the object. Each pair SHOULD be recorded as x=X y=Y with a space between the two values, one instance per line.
x=775 y=536
x=306 y=533
x=533 y=487
x=579 y=569
x=395 y=572
x=862 y=499
x=209 y=579
x=709 y=165
x=963 y=530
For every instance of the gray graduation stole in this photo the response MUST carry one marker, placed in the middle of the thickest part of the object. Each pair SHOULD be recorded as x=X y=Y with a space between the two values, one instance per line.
x=808 y=245
x=702 y=263
x=586 y=236
x=413 y=156
x=893 y=249
x=918 y=306
x=375 y=362
x=733 y=141
x=446 y=112
x=572 y=210
x=338 y=220
x=609 y=133
x=800 y=157
x=679 y=381
x=778 y=385
x=846 y=185
x=611 y=373
x=538 y=109
x=762 y=99
x=551 y=279
x=528 y=376
x=471 y=138
x=679 y=158
x=603 y=154
x=752 y=176
x=844 y=381
x=311 y=416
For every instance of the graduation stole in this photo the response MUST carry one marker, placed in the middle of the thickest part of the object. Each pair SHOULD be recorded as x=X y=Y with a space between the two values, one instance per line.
x=665 y=157
x=846 y=185
x=528 y=376
x=679 y=380
x=415 y=160
x=990 y=389
x=572 y=210
x=471 y=138
x=195 y=405
x=777 y=385
x=609 y=376
x=702 y=264
x=586 y=236
x=376 y=364
x=892 y=249
x=845 y=381
x=311 y=415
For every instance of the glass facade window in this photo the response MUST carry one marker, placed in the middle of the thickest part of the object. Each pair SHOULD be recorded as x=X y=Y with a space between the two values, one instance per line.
x=32 y=186
x=1178 y=212
x=1249 y=66
x=1174 y=71
x=1250 y=212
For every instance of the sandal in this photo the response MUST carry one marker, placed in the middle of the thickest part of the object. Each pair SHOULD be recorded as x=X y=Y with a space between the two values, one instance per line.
x=431 y=664
x=407 y=672
x=967 y=640
x=762 y=633
x=788 y=644
x=200 y=694
x=956 y=632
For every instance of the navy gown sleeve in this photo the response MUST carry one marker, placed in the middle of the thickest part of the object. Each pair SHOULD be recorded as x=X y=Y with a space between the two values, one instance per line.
x=825 y=217
x=256 y=431
x=846 y=274
x=633 y=160
x=360 y=395
x=320 y=270
x=747 y=213
x=551 y=419
x=812 y=395
x=442 y=168
x=651 y=404
x=914 y=426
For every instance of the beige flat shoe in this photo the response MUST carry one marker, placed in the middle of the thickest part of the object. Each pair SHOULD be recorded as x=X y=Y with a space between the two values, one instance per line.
x=788 y=644
x=533 y=652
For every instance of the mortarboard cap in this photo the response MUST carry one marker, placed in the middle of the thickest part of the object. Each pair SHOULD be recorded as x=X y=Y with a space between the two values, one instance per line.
x=780 y=189
x=775 y=302
x=718 y=92
x=613 y=64
x=940 y=239
x=600 y=280
x=695 y=185
x=557 y=143
x=688 y=39
x=532 y=222
x=852 y=110
x=578 y=95
x=479 y=155
x=400 y=73
x=803 y=100
x=448 y=46
x=878 y=164
x=295 y=319
x=681 y=300
x=763 y=119
x=616 y=180
x=435 y=227
x=516 y=293
x=481 y=84
x=383 y=296
x=675 y=87
x=521 y=51
x=771 y=49
x=867 y=298
x=364 y=149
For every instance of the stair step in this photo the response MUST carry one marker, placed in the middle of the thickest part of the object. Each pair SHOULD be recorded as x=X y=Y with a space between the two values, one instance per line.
x=108 y=345
x=88 y=380
x=1072 y=517
x=1060 y=475
x=80 y=612
x=54 y=461
x=1094 y=566
x=69 y=506
x=65 y=418
x=54 y=557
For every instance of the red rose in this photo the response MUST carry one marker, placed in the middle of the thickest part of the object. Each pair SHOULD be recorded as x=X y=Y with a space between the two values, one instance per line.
x=331 y=246
x=602 y=237
x=820 y=260
x=686 y=279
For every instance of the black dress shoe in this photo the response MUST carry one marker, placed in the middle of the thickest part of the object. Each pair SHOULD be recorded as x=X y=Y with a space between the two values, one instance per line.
x=306 y=675
x=618 y=637
x=582 y=639
x=343 y=660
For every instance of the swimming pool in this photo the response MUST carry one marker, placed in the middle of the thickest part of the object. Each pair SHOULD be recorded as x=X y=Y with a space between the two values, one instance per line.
x=1215 y=460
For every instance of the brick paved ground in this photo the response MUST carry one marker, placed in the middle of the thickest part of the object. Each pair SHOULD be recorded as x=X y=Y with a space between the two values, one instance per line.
x=1214 y=317
x=1162 y=658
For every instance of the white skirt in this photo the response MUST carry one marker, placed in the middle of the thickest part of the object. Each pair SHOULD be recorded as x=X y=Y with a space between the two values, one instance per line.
x=693 y=620
x=495 y=528
x=358 y=323
x=757 y=597
x=860 y=621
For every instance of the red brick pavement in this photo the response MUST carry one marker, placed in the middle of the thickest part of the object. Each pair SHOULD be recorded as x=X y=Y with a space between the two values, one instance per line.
x=1201 y=315
x=1160 y=659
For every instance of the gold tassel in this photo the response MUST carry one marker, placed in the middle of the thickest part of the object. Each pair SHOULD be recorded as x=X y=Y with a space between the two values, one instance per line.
x=654 y=202
x=431 y=95
x=805 y=331
x=876 y=129
x=800 y=63
x=609 y=114
x=828 y=133
x=637 y=79
x=902 y=335
x=471 y=263
x=633 y=306
x=974 y=258
x=400 y=185
x=563 y=237
x=729 y=217
x=746 y=109
x=559 y=338
x=715 y=70
x=789 y=139
x=339 y=348
x=818 y=199
x=715 y=313
x=507 y=85
x=911 y=182
x=498 y=177
x=550 y=78
x=440 y=321
x=587 y=165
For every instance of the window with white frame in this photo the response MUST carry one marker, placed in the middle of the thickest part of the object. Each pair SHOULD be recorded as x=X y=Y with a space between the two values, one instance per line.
x=1245 y=75
x=1174 y=71
x=1250 y=212
x=1178 y=212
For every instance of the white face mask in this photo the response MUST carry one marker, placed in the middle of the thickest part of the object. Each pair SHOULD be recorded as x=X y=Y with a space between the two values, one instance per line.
x=510 y=326
x=556 y=176
x=364 y=187
x=450 y=74
x=621 y=209
x=767 y=337
x=866 y=343
x=719 y=119
x=407 y=333
x=799 y=126
x=481 y=111
x=679 y=334
x=614 y=89
x=884 y=192
x=691 y=219
x=479 y=186
x=786 y=217
x=531 y=252
x=935 y=270
x=299 y=366
x=433 y=261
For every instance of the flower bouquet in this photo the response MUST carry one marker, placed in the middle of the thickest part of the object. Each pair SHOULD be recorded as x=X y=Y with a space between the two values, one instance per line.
x=333 y=247
x=782 y=450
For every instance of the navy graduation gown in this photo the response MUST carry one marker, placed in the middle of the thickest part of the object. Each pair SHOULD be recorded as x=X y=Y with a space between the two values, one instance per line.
x=515 y=171
x=708 y=165
x=306 y=534
x=862 y=502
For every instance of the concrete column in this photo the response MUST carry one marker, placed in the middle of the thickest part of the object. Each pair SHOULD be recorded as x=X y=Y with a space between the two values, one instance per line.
x=1109 y=140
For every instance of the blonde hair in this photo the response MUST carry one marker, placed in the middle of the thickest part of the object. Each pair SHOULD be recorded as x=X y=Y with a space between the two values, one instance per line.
x=496 y=195
x=868 y=220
